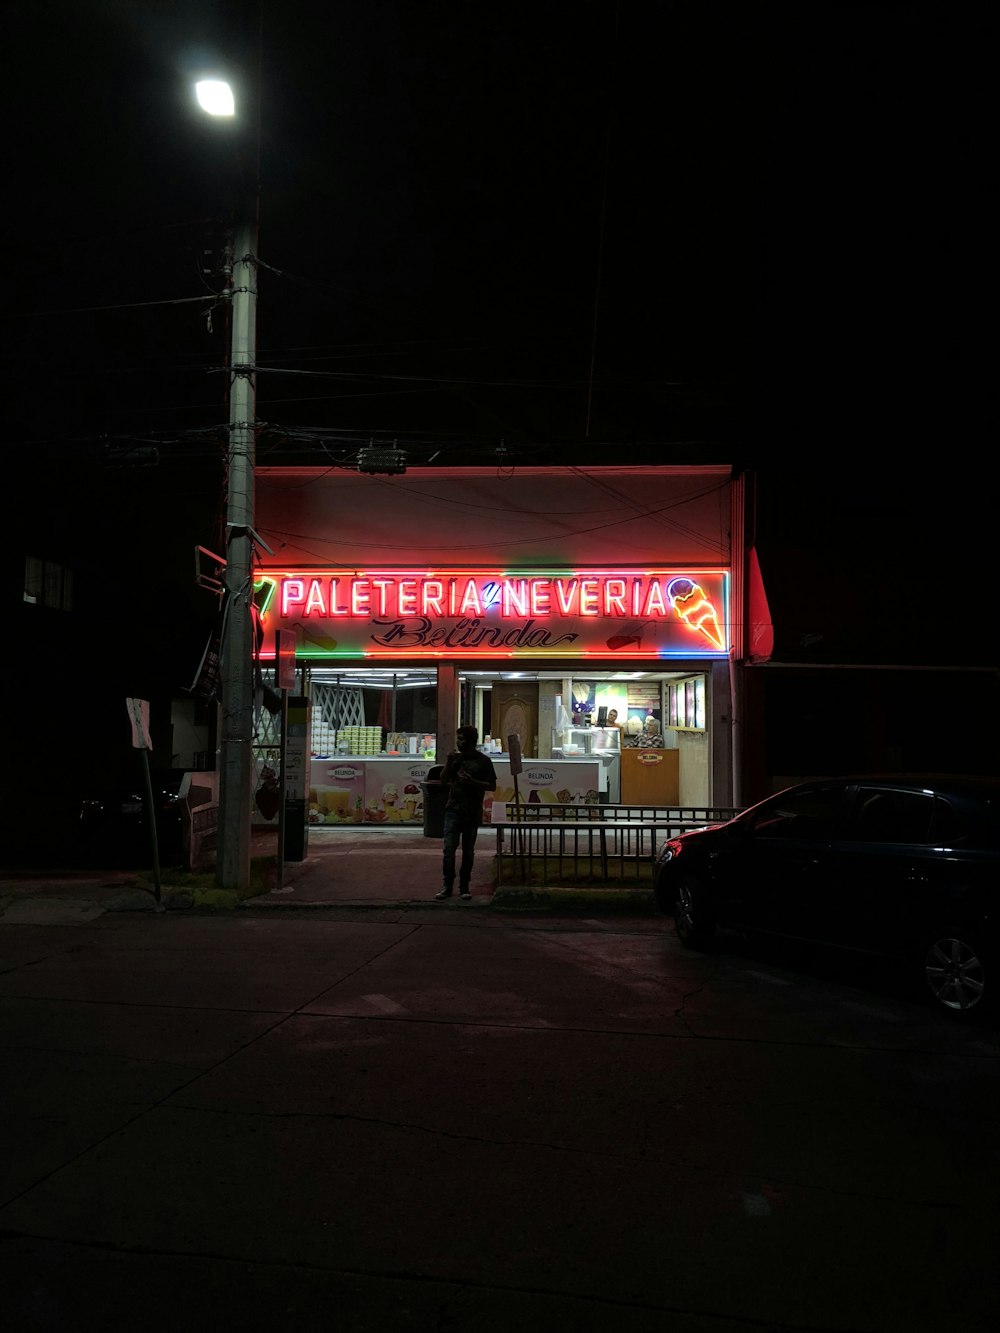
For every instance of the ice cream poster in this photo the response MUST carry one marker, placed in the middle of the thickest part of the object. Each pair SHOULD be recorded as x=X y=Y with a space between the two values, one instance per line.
x=393 y=794
x=336 y=792
x=599 y=614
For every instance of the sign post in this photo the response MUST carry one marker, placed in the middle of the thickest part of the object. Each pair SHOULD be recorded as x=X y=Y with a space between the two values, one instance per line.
x=514 y=751
x=285 y=661
x=295 y=780
x=138 y=716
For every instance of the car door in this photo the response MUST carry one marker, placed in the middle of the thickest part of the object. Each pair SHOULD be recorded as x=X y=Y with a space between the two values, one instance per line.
x=772 y=871
x=884 y=866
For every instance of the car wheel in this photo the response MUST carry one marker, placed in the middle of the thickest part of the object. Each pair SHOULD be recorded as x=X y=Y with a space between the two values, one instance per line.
x=955 y=974
x=694 y=923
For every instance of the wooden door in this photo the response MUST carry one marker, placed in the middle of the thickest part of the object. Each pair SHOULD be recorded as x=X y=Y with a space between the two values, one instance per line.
x=514 y=709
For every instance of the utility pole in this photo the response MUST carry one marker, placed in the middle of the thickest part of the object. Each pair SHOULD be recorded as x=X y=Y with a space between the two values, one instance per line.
x=236 y=657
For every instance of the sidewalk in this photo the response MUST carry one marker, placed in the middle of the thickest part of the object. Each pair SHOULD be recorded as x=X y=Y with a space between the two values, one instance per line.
x=367 y=868
x=372 y=867
x=375 y=867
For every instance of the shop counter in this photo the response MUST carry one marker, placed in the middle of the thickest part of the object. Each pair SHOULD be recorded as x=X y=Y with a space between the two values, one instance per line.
x=379 y=789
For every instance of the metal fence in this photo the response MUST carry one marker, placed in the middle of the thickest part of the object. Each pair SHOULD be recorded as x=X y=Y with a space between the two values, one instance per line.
x=543 y=844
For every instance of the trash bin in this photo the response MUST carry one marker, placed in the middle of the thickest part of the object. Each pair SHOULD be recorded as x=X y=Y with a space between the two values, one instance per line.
x=435 y=794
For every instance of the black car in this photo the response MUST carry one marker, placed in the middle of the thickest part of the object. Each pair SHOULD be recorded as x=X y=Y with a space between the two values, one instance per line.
x=908 y=868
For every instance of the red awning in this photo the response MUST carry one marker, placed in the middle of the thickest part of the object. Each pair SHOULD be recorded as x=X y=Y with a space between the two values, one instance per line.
x=761 y=640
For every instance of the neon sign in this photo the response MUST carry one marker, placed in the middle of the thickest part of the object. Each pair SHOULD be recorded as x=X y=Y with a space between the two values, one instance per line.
x=463 y=613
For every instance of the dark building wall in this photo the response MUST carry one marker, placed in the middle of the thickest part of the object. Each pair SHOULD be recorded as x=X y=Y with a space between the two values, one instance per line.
x=809 y=722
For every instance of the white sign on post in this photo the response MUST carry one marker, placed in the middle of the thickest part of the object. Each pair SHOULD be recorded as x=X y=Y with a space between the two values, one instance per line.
x=138 y=715
x=514 y=751
x=285 y=644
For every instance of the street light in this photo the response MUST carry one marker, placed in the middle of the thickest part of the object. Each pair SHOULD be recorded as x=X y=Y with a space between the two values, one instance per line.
x=236 y=657
x=215 y=97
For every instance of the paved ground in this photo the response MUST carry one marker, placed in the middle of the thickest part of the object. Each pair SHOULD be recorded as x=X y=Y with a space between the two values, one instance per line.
x=375 y=868
x=386 y=866
x=424 y=1118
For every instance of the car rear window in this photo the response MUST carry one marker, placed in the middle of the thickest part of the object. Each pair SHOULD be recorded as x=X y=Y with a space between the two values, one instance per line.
x=976 y=823
x=906 y=816
x=950 y=825
x=883 y=815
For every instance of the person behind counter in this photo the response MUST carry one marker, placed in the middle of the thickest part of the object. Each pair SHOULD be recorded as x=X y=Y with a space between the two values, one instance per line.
x=471 y=775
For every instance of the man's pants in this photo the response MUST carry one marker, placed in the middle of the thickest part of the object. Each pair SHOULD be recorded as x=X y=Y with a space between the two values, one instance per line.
x=458 y=828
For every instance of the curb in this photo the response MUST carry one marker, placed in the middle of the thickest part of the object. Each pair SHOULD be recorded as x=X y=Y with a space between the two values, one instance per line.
x=629 y=901
x=139 y=895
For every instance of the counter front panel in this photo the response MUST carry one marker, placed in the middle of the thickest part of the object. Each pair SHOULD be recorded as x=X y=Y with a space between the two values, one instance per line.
x=353 y=789
x=367 y=791
x=545 y=782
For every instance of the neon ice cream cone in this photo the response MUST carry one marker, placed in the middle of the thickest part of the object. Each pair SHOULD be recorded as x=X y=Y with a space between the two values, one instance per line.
x=696 y=611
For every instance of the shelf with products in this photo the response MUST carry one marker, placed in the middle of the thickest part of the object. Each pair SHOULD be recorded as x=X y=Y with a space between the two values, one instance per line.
x=361 y=741
x=686 y=704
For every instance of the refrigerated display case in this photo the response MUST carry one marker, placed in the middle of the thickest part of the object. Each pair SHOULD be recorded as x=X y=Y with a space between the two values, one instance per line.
x=577 y=781
x=575 y=742
x=603 y=743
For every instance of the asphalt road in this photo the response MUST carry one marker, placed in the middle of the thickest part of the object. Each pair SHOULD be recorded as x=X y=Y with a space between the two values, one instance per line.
x=476 y=1122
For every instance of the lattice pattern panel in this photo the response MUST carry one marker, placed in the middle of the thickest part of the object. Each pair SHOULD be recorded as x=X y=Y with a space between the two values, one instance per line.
x=338 y=706
x=267 y=727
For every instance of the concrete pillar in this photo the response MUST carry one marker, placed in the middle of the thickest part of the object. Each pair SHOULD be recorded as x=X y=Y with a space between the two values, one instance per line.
x=447 y=710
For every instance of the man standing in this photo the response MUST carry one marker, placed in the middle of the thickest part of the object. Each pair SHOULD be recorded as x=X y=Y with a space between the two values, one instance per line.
x=470 y=776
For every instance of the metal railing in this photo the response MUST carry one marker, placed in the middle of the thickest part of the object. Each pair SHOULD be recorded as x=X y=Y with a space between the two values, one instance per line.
x=610 y=843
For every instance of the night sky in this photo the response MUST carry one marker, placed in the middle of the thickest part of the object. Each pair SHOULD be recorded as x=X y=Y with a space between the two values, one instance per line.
x=588 y=232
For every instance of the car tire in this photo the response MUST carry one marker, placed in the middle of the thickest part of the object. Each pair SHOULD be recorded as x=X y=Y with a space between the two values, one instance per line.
x=956 y=975
x=693 y=921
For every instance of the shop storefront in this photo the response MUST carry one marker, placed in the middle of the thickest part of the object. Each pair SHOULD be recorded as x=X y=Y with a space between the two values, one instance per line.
x=614 y=675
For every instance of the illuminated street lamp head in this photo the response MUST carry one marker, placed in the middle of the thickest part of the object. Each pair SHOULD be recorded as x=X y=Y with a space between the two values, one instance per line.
x=215 y=97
